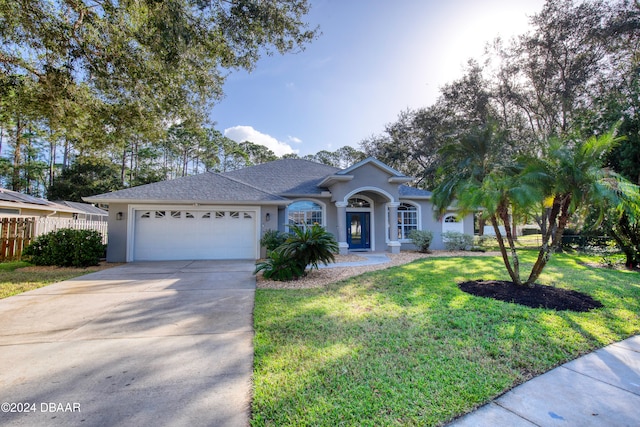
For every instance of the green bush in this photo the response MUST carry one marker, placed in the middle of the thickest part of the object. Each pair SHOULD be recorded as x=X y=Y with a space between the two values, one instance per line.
x=455 y=241
x=303 y=247
x=421 y=239
x=67 y=248
x=271 y=239
x=309 y=246
x=485 y=240
x=279 y=267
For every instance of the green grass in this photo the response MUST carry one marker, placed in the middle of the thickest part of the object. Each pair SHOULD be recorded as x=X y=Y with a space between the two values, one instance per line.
x=16 y=277
x=404 y=346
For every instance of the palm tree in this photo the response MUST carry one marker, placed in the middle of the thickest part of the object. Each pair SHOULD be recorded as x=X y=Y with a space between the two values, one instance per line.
x=565 y=178
x=572 y=178
x=479 y=175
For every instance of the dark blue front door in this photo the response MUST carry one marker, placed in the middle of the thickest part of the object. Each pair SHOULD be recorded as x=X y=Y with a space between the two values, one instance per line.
x=358 y=230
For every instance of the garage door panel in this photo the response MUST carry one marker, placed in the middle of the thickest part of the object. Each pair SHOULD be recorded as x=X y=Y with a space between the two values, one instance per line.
x=188 y=234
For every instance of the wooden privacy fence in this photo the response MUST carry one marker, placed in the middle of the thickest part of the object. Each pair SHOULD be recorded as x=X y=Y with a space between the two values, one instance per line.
x=18 y=233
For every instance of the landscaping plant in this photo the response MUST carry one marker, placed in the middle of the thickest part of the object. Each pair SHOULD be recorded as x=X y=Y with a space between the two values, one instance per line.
x=456 y=241
x=421 y=239
x=271 y=239
x=305 y=247
x=279 y=267
x=67 y=248
x=569 y=177
x=310 y=245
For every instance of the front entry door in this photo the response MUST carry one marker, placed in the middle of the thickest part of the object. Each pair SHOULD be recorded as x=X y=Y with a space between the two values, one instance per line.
x=358 y=230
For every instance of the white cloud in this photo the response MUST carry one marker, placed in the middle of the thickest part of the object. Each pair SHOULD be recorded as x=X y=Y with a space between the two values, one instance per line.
x=248 y=133
x=295 y=139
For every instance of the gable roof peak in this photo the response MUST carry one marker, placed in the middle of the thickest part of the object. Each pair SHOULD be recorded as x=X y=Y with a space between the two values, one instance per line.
x=375 y=162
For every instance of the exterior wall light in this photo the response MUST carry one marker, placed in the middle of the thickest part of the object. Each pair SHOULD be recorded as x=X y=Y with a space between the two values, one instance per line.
x=119 y=216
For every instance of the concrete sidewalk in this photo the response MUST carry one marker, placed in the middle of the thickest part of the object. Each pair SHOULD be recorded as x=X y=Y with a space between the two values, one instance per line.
x=599 y=389
x=164 y=343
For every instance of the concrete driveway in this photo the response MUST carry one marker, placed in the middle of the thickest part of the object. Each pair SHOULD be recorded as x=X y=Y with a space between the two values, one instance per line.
x=162 y=343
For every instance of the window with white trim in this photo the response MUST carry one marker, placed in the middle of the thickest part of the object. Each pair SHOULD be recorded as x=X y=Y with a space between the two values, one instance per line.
x=305 y=213
x=407 y=220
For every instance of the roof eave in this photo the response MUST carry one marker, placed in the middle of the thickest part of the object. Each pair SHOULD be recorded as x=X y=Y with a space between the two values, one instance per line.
x=51 y=208
x=187 y=202
x=332 y=179
x=400 y=179
x=415 y=197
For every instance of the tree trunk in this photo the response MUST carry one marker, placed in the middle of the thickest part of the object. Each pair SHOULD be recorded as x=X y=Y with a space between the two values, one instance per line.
x=481 y=223
x=17 y=158
x=543 y=254
x=123 y=166
x=628 y=238
x=52 y=159
x=503 y=212
x=133 y=159
x=503 y=251
x=558 y=217
x=627 y=249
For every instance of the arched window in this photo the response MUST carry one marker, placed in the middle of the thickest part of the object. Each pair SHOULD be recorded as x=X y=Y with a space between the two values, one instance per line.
x=451 y=222
x=305 y=213
x=407 y=220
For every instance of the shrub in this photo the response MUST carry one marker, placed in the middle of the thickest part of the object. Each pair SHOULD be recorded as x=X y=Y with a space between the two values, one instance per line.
x=421 y=239
x=303 y=247
x=310 y=246
x=67 y=248
x=271 y=239
x=279 y=267
x=485 y=241
x=455 y=241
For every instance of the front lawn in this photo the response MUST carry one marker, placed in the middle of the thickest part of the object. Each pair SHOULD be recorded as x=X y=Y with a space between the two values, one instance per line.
x=17 y=277
x=404 y=346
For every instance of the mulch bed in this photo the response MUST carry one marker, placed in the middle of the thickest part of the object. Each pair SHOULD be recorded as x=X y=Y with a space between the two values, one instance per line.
x=537 y=296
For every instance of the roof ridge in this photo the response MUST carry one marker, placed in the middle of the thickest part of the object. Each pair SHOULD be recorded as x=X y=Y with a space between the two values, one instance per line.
x=247 y=184
x=282 y=160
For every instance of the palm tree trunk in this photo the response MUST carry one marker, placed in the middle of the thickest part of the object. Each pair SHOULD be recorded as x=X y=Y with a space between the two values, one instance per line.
x=504 y=215
x=503 y=250
x=558 y=218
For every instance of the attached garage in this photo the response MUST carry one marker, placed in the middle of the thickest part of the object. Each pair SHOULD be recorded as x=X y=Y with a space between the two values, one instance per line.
x=191 y=234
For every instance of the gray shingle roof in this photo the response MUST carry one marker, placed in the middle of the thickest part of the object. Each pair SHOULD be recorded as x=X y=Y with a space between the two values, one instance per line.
x=205 y=187
x=267 y=182
x=406 y=191
x=285 y=176
x=85 y=207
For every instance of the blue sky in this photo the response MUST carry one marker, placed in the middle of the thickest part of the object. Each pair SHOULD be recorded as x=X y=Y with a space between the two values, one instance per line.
x=374 y=59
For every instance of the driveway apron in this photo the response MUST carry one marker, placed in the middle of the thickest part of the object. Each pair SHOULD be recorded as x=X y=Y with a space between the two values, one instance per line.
x=157 y=343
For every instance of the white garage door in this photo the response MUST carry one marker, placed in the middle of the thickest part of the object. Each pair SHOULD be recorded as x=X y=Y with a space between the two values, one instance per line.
x=162 y=234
